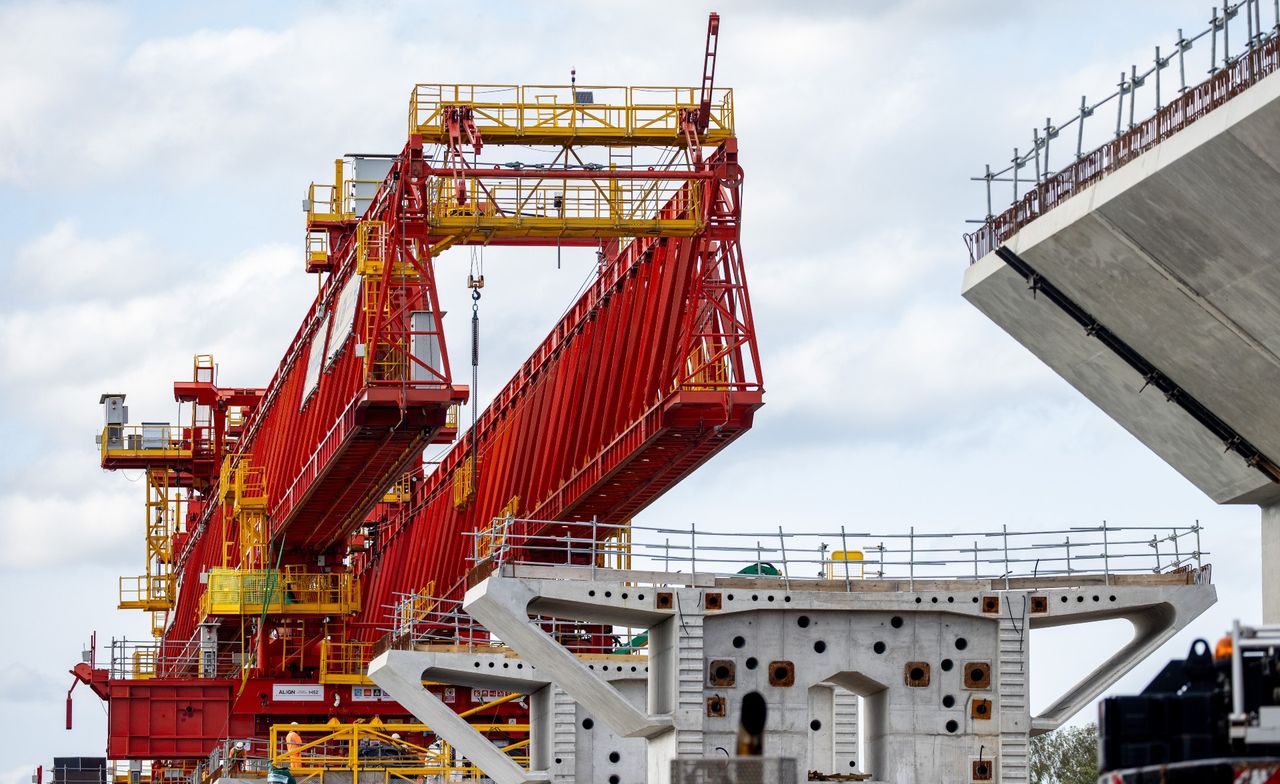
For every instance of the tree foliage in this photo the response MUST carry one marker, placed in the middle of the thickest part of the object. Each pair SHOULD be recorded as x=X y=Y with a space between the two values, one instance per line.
x=1068 y=755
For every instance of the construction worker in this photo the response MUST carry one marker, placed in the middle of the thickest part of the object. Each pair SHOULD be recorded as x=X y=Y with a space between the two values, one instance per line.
x=293 y=742
x=236 y=758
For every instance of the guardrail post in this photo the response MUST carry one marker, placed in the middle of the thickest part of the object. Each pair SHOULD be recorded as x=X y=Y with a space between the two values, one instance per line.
x=844 y=545
x=786 y=578
x=1197 y=528
x=594 y=540
x=693 y=550
x=1177 y=551
x=911 y=538
x=1068 y=556
x=1106 y=555
x=1005 y=534
x=975 y=559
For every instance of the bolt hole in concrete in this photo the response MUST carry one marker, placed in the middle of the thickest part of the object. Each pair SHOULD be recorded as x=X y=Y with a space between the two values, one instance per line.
x=918 y=600
x=730 y=597
x=815 y=725
x=819 y=647
x=1113 y=598
x=752 y=663
x=1064 y=600
x=780 y=673
x=961 y=643
x=588 y=723
x=615 y=757
x=624 y=596
x=948 y=701
x=917 y=674
x=947 y=664
x=722 y=672
x=934 y=600
x=803 y=622
x=896 y=621
x=559 y=761
x=591 y=592
x=878 y=647
x=1079 y=598
x=614 y=779
x=739 y=641
x=953 y=725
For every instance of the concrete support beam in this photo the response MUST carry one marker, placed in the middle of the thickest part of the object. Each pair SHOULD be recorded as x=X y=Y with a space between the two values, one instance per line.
x=1156 y=615
x=1271 y=564
x=399 y=673
x=502 y=606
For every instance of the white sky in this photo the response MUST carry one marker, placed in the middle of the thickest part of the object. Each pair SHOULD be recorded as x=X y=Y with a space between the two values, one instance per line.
x=153 y=158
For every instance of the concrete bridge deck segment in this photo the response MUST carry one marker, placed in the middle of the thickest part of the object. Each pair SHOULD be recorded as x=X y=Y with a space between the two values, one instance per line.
x=1176 y=256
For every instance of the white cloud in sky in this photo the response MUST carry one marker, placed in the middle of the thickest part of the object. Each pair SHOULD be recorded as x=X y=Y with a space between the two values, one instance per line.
x=152 y=175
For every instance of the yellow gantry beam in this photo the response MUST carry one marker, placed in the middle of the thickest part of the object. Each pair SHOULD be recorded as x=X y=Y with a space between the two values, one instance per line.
x=564 y=114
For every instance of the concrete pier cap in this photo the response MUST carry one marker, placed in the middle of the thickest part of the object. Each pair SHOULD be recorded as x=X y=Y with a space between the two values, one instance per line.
x=940 y=667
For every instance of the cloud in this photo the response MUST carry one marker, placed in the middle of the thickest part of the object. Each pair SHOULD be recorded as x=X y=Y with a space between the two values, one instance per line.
x=19 y=683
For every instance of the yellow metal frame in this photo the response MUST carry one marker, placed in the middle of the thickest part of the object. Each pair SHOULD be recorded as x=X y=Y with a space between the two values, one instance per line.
x=558 y=114
x=126 y=434
x=345 y=662
x=464 y=488
x=336 y=749
x=292 y=590
x=550 y=207
x=327 y=203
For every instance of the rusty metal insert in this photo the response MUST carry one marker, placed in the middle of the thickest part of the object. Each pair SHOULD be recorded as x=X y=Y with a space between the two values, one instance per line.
x=983 y=770
x=663 y=600
x=716 y=706
x=916 y=673
x=977 y=675
x=722 y=672
x=980 y=709
x=1039 y=605
x=782 y=673
x=991 y=605
x=712 y=601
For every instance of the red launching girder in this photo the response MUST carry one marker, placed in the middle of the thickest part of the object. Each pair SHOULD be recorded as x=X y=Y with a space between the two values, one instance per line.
x=651 y=372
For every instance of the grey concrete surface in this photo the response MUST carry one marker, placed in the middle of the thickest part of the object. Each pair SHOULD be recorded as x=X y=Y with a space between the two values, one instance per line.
x=1178 y=254
x=810 y=647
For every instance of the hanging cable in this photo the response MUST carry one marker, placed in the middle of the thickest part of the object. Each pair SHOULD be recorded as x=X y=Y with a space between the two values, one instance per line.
x=475 y=282
x=475 y=375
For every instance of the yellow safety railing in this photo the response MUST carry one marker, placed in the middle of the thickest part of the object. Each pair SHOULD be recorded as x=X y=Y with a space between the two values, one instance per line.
x=144 y=441
x=555 y=114
x=327 y=203
x=419 y=606
x=615 y=551
x=493 y=536
x=317 y=248
x=707 y=366
x=400 y=492
x=464 y=488
x=451 y=417
x=148 y=592
x=144 y=663
x=377 y=751
x=345 y=662
x=291 y=590
x=551 y=207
